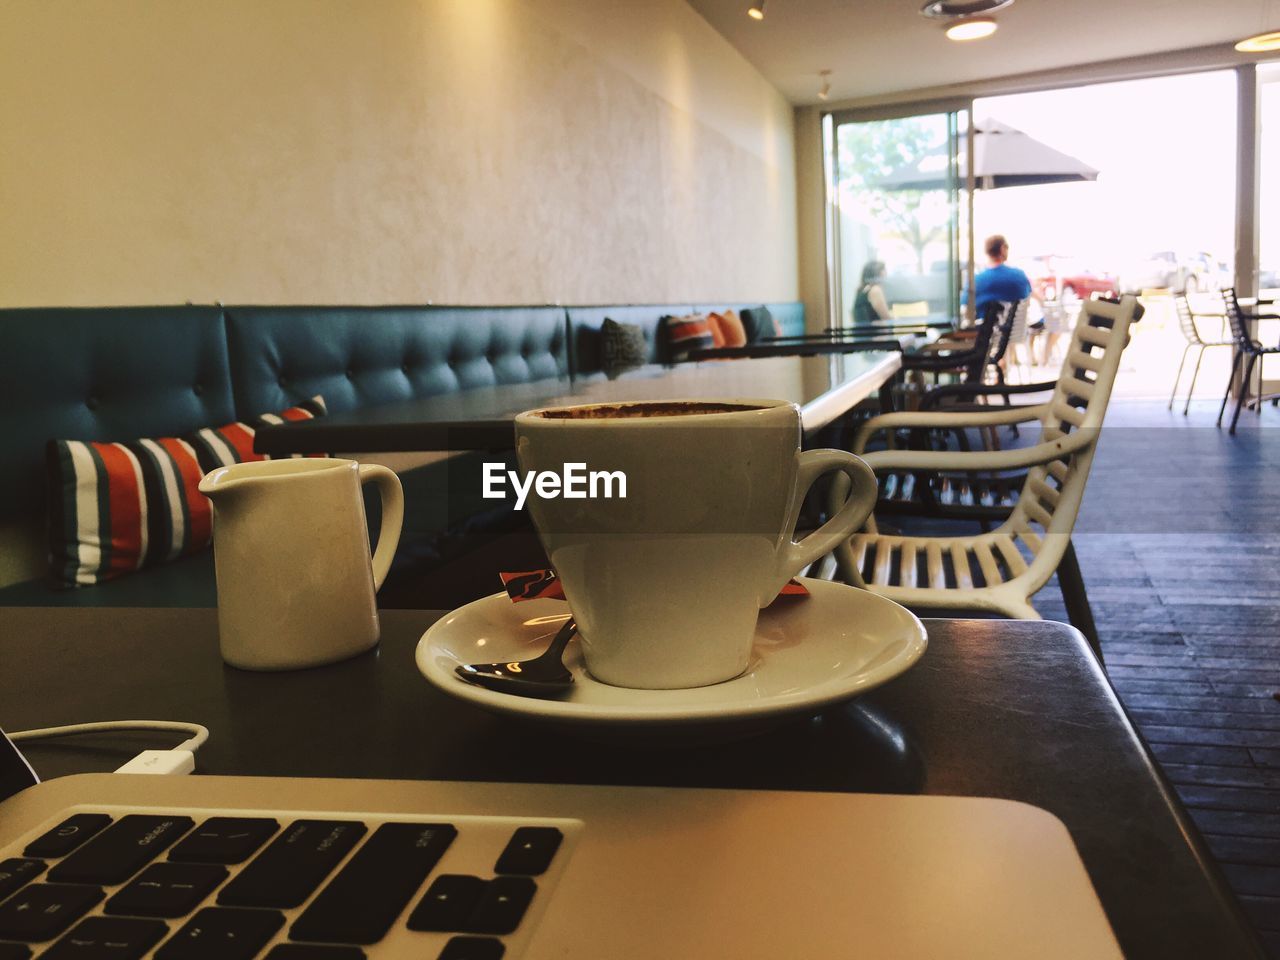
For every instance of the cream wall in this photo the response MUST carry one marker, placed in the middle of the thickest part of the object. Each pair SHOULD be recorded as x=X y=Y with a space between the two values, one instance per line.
x=372 y=151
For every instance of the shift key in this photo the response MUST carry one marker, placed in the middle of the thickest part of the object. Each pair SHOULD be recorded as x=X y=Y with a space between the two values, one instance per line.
x=364 y=899
x=286 y=873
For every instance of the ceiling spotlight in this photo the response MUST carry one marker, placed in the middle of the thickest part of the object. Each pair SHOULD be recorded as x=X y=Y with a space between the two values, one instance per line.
x=756 y=11
x=949 y=9
x=825 y=91
x=1262 y=43
x=971 y=28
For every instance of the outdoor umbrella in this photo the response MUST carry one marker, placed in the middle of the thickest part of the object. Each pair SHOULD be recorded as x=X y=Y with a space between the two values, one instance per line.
x=1003 y=157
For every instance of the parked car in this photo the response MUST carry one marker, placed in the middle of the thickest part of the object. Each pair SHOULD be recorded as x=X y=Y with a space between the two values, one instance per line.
x=1181 y=273
x=1059 y=278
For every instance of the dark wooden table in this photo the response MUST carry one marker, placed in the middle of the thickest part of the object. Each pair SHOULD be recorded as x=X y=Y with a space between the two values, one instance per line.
x=825 y=387
x=1018 y=710
x=806 y=347
x=930 y=321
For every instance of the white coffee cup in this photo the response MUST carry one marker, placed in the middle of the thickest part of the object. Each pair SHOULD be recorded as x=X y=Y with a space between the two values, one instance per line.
x=666 y=584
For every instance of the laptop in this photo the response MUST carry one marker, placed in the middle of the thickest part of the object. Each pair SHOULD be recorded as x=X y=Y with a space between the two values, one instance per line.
x=230 y=868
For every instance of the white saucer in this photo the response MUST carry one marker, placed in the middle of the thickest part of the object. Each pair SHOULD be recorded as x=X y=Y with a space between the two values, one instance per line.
x=809 y=653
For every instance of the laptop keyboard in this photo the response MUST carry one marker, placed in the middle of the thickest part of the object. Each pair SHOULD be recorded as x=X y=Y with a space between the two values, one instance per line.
x=202 y=885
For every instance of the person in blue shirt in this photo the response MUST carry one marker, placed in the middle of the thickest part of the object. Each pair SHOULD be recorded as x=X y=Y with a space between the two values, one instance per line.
x=999 y=281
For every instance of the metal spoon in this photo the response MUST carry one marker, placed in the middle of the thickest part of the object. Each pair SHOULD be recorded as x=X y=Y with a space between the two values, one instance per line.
x=543 y=676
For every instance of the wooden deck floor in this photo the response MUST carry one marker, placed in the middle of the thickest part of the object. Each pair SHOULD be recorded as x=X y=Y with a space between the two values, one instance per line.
x=1179 y=541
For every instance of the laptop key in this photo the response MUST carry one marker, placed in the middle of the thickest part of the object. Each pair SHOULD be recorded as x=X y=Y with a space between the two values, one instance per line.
x=530 y=851
x=224 y=840
x=14 y=951
x=121 y=850
x=17 y=873
x=447 y=904
x=313 y=951
x=362 y=902
x=502 y=905
x=166 y=890
x=287 y=872
x=67 y=835
x=222 y=933
x=41 y=911
x=108 y=938
x=473 y=948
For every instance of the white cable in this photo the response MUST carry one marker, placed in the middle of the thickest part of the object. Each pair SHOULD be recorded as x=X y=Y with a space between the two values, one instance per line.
x=199 y=734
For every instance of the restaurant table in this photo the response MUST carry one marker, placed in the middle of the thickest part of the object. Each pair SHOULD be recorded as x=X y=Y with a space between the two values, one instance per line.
x=482 y=418
x=1011 y=709
x=935 y=323
x=805 y=348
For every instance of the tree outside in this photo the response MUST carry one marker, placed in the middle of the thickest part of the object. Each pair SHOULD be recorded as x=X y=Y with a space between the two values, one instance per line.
x=868 y=152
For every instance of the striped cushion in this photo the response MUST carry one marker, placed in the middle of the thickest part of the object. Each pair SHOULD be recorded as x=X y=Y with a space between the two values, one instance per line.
x=118 y=507
x=682 y=334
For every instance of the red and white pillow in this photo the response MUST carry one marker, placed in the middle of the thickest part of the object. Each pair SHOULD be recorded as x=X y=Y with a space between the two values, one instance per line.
x=681 y=335
x=115 y=508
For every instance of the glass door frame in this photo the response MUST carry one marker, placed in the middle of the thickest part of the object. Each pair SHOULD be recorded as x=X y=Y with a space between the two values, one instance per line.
x=831 y=122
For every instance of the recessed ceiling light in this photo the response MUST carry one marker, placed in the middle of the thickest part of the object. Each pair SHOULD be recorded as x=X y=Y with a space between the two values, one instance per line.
x=756 y=11
x=1262 y=43
x=949 y=9
x=973 y=28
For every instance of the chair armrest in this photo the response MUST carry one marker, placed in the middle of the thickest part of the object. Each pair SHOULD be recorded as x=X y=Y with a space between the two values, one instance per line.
x=937 y=346
x=993 y=417
x=974 y=390
x=973 y=460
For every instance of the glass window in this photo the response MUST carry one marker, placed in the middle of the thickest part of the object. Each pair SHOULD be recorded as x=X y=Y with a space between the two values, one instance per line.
x=896 y=218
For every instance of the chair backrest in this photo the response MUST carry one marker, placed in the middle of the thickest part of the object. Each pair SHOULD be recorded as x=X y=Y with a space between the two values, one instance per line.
x=1186 y=320
x=1000 y=317
x=1239 y=329
x=1055 y=317
x=976 y=358
x=1051 y=495
x=1018 y=321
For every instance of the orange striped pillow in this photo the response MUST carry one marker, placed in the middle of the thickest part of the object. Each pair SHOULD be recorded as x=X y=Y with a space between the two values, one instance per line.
x=684 y=334
x=118 y=507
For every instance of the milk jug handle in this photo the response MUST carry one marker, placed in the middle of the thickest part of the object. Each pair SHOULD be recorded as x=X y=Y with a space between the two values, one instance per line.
x=392 y=517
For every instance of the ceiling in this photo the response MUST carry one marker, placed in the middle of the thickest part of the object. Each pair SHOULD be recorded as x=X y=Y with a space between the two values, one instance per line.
x=885 y=46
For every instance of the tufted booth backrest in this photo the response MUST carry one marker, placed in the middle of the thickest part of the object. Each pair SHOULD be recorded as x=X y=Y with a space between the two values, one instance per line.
x=103 y=373
x=118 y=373
x=585 y=323
x=362 y=356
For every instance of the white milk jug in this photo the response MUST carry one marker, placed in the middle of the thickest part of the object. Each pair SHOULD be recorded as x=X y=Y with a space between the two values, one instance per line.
x=296 y=582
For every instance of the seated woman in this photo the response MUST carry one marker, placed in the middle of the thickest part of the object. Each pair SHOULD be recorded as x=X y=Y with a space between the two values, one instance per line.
x=870 y=305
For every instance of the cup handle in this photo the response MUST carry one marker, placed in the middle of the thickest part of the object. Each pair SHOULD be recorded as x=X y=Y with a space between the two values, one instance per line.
x=795 y=556
x=392 y=516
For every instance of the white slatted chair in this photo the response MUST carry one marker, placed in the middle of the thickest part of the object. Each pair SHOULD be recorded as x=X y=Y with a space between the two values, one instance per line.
x=1020 y=341
x=1187 y=323
x=998 y=571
